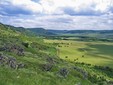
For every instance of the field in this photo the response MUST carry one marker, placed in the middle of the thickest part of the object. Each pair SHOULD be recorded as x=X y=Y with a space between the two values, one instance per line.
x=95 y=53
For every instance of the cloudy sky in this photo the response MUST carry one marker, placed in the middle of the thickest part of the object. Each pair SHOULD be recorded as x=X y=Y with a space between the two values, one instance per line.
x=58 y=14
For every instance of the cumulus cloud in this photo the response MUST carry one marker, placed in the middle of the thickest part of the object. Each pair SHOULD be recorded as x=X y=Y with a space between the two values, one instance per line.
x=76 y=6
x=13 y=7
x=58 y=14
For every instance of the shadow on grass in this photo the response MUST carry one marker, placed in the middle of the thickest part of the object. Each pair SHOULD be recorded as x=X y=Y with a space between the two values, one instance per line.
x=102 y=49
x=98 y=50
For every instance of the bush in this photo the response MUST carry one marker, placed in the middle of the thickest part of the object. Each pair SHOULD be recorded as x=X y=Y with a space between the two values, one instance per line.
x=25 y=44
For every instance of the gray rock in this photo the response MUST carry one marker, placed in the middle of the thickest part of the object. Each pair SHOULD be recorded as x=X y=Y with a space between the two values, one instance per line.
x=84 y=73
x=21 y=65
x=63 y=72
x=12 y=62
x=50 y=60
x=47 y=67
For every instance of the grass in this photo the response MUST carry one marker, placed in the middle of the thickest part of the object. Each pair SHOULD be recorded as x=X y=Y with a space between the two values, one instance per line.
x=96 y=53
x=30 y=77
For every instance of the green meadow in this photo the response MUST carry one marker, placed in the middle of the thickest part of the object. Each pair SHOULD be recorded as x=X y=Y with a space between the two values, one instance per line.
x=95 y=53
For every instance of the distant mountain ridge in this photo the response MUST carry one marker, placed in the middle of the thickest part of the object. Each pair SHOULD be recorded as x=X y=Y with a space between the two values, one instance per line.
x=42 y=31
x=48 y=32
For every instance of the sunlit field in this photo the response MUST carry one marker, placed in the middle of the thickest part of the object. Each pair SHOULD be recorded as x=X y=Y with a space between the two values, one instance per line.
x=96 y=53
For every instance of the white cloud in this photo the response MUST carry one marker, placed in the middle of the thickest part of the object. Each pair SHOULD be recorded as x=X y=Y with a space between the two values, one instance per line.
x=50 y=6
x=60 y=14
x=58 y=22
x=28 y=5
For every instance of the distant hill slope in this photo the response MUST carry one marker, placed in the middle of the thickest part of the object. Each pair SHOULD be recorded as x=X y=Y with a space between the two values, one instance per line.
x=81 y=31
x=16 y=29
x=90 y=31
x=93 y=33
x=41 y=31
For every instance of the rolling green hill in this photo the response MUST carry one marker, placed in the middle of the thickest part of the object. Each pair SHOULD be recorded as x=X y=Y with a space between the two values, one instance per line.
x=82 y=35
x=26 y=59
x=41 y=31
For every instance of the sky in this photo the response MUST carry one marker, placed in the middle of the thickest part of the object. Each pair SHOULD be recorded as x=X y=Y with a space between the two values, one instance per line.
x=58 y=14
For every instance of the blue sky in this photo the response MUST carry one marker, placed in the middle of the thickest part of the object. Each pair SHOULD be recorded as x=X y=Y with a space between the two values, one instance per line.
x=58 y=14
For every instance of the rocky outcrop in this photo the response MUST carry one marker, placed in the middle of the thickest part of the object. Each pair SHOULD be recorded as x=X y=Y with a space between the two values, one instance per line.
x=10 y=61
x=13 y=48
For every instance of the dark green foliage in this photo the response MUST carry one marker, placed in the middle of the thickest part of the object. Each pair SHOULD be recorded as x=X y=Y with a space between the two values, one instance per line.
x=25 y=44
x=66 y=56
x=107 y=70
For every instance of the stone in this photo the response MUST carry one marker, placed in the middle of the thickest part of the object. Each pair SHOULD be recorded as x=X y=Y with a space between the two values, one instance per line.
x=21 y=65
x=63 y=72
x=50 y=60
x=12 y=62
x=47 y=67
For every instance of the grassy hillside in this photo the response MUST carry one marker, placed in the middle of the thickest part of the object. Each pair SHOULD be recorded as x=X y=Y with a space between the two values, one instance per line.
x=27 y=60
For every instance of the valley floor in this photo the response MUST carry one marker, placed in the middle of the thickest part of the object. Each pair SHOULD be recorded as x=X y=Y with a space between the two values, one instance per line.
x=95 y=53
